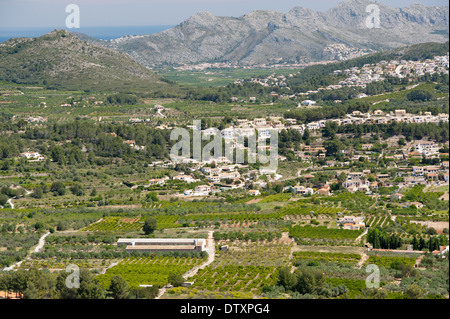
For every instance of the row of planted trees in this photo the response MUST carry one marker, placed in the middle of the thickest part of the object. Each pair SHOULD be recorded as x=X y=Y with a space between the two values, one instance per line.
x=381 y=240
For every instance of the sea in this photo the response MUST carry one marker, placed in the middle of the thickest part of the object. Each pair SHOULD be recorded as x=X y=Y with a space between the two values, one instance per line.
x=101 y=33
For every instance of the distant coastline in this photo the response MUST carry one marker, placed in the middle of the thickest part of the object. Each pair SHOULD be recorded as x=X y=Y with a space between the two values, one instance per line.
x=101 y=33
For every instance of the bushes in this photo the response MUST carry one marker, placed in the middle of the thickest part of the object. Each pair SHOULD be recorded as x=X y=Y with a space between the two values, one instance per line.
x=313 y=282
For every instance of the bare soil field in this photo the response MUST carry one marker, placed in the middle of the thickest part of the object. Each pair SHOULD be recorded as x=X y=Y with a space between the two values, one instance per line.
x=254 y=201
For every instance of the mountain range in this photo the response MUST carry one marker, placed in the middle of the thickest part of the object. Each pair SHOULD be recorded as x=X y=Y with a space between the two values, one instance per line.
x=300 y=35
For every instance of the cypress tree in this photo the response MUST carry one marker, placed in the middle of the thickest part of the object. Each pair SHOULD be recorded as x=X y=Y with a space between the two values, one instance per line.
x=415 y=243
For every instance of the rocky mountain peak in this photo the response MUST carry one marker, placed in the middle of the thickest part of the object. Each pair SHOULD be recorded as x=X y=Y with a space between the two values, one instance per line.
x=299 y=35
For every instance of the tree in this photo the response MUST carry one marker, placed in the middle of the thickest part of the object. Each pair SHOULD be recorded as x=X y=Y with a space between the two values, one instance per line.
x=176 y=279
x=310 y=281
x=414 y=291
x=287 y=279
x=333 y=146
x=306 y=135
x=77 y=190
x=152 y=197
x=119 y=287
x=3 y=199
x=93 y=192
x=421 y=243
x=31 y=292
x=419 y=95
x=150 y=225
x=415 y=243
x=38 y=192
x=39 y=226
x=58 y=188
x=89 y=287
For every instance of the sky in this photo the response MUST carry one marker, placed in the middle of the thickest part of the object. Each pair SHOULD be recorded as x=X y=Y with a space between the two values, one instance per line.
x=52 y=13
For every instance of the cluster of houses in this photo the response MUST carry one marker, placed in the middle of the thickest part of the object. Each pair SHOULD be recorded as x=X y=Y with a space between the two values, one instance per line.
x=361 y=76
x=33 y=156
x=264 y=127
x=341 y=52
x=360 y=118
x=132 y=144
x=37 y=119
x=269 y=81
x=303 y=190
x=222 y=174
x=351 y=222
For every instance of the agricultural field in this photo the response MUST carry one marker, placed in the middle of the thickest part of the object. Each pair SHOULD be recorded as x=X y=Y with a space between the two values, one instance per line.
x=217 y=77
x=92 y=188
x=121 y=224
x=235 y=278
x=149 y=270
x=381 y=220
x=322 y=232
x=388 y=261
x=276 y=253
x=320 y=256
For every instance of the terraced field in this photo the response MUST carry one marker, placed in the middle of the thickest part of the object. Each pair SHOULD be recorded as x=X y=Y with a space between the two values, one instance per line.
x=149 y=270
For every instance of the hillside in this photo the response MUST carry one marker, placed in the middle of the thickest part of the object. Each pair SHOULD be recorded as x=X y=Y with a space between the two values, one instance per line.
x=62 y=60
x=301 y=35
x=413 y=52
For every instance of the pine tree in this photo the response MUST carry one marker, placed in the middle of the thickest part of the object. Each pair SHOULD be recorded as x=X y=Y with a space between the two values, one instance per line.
x=376 y=241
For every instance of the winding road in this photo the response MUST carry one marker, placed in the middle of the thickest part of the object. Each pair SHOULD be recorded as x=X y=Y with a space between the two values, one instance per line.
x=39 y=246
x=9 y=201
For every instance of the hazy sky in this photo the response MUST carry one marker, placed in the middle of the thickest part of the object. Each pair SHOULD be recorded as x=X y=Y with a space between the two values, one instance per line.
x=51 y=13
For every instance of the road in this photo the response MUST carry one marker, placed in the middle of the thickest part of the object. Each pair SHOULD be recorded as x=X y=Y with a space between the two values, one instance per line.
x=9 y=201
x=210 y=249
x=39 y=246
x=360 y=236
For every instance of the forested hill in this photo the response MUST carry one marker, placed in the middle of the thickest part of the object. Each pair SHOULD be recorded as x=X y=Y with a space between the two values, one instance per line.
x=63 y=61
